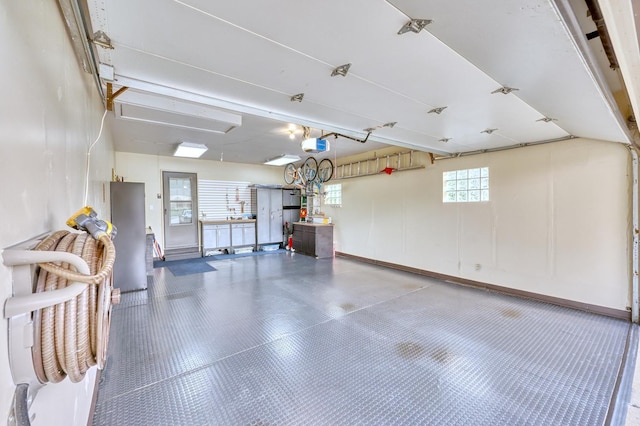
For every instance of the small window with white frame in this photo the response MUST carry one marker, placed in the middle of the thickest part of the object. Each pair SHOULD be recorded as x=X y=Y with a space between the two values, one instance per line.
x=465 y=186
x=333 y=195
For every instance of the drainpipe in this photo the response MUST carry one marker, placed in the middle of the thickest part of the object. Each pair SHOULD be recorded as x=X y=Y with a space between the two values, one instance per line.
x=636 y=242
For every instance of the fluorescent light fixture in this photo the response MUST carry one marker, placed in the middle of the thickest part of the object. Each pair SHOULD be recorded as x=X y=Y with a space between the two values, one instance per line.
x=282 y=160
x=315 y=145
x=158 y=109
x=190 y=150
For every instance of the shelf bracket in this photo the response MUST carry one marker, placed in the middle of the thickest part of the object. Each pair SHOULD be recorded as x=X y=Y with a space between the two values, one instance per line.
x=112 y=96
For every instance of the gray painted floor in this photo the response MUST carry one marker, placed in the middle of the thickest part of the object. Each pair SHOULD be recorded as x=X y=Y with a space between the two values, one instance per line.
x=288 y=339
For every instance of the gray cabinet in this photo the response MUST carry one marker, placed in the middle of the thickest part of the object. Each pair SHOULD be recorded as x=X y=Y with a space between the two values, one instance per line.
x=290 y=210
x=268 y=212
x=313 y=239
x=291 y=198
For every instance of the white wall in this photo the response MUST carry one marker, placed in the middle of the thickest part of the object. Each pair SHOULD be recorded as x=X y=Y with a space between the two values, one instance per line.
x=558 y=222
x=49 y=114
x=149 y=168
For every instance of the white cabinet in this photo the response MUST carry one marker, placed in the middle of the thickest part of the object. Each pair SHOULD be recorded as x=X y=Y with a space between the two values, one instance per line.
x=268 y=212
x=216 y=236
x=227 y=235
x=243 y=234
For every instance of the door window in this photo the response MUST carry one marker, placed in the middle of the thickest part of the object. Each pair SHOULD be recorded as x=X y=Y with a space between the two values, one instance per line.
x=180 y=201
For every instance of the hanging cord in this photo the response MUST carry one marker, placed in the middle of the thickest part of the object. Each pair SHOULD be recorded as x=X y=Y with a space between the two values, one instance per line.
x=72 y=336
x=86 y=181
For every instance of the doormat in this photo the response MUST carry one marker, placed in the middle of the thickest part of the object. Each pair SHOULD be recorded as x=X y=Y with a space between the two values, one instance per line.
x=179 y=268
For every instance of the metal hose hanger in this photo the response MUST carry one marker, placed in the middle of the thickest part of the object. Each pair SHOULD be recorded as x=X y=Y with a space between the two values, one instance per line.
x=71 y=337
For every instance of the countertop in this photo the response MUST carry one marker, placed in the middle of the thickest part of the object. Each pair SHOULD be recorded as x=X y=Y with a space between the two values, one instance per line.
x=312 y=224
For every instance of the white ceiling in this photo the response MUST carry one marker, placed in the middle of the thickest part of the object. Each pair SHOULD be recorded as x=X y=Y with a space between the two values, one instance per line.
x=253 y=56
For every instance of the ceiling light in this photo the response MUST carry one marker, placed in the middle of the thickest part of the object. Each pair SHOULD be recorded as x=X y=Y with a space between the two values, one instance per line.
x=488 y=131
x=414 y=25
x=444 y=140
x=547 y=119
x=282 y=160
x=390 y=124
x=341 y=70
x=292 y=135
x=190 y=150
x=297 y=98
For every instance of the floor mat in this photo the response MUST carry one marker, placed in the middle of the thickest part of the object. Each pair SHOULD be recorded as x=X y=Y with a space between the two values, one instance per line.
x=182 y=267
x=190 y=268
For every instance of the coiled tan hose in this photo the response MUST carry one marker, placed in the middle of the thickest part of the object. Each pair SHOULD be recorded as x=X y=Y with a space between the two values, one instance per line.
x=72 y=336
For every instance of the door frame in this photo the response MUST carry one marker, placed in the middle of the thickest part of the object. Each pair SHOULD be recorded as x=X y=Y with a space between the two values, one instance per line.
x=169 y=240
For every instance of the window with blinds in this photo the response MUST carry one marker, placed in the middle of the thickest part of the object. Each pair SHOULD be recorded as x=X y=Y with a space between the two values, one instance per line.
x=221 y=199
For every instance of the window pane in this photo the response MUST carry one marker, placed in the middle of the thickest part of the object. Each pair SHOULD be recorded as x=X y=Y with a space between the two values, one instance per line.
x=484 y=172
x=449 y=175
x=450 y=185
x=462 y=174
x=179 y=189
x=474 y=196
x=474 y=173
x=474 y=183
x=462 y=196
x=462 y=185
x=181 y=212
x=484 y=195
x=449 y=197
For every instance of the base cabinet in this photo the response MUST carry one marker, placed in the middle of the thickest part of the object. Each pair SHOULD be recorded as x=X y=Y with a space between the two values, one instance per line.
x=243 y=234
x=227 y=235
x=216 y=237
x=313 y=239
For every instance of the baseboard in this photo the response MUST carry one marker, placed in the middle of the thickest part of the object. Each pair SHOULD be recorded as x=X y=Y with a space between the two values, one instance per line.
x=600 y=310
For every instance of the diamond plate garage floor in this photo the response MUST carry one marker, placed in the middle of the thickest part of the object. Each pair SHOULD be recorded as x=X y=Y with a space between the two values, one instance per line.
x=287 y=339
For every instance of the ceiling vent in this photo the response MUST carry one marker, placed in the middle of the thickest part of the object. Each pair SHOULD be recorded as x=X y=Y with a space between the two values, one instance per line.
x=157 y=109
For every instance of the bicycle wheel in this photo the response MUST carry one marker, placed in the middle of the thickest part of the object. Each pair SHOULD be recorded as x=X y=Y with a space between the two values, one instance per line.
x=310 y=169
x=290 y=173
x=325 y=170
